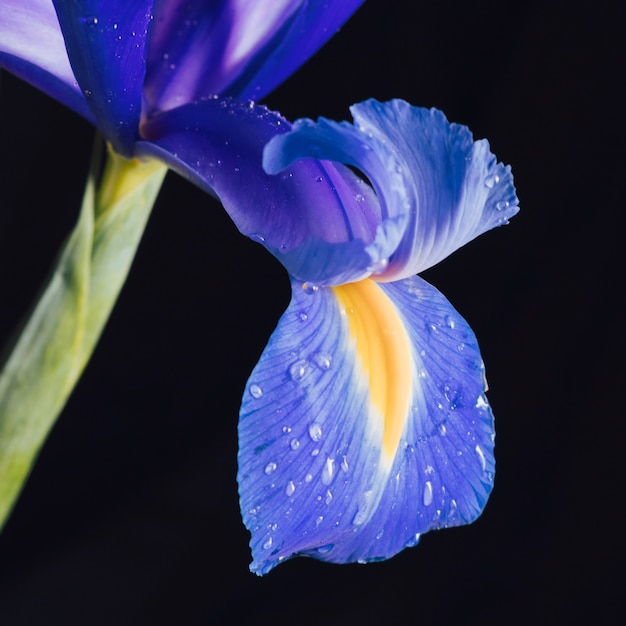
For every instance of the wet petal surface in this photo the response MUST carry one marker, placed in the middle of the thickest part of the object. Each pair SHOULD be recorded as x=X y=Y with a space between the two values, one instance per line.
x=316 y=217
x=438 y=188
x=364 y=425
x=237 y=48
x=32 y=47
x=106 y=42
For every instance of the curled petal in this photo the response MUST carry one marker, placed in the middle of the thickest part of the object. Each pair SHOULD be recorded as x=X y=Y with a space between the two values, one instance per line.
x=316 y=217
x=106 y=42
x=237 y=48
x=363 y=425
x=32 y=47
x=438 y=188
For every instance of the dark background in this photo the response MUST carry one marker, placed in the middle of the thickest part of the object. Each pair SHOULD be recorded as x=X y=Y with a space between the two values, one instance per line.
x=131 y=515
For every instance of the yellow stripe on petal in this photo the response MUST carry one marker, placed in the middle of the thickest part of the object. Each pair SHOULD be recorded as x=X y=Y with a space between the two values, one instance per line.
x=384 y=351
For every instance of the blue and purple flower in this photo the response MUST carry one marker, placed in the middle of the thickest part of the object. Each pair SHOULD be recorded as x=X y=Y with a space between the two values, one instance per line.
x=365 y=422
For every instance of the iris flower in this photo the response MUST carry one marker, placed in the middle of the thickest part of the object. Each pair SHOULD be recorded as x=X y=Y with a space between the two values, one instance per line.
x=118 y=63
x=365 y=422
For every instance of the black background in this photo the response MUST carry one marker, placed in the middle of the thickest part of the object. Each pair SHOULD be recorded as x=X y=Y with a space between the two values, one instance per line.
x=131 y=515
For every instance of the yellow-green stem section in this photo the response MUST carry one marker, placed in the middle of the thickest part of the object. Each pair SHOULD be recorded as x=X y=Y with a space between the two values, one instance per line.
x=384 y=353
x=63 y=328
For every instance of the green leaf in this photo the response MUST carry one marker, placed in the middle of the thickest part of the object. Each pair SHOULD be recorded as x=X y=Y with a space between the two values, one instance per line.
x=63 y=328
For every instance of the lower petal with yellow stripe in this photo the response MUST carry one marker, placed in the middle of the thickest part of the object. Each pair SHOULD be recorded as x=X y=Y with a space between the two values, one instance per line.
x=363 y=425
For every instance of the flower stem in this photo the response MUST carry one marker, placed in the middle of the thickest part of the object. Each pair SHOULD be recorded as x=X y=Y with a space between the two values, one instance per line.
x=56 y=341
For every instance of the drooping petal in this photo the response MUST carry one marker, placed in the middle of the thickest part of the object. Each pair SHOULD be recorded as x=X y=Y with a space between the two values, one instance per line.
x=234 y=48
x=32 y=47
x=430 y=176
x=317 y=218
x=106 y=42
x=363 y=425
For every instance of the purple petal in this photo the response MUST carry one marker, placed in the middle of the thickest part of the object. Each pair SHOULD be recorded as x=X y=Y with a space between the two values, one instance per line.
x=363 y=425
x=32 y=47
x=235 y=48
x=436 y=186
x=317 y=218
x=106 y=41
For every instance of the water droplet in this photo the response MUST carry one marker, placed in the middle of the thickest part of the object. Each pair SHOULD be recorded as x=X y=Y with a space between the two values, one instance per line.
x=315 y=432
x=481 y=457
x=310 y=287
x=429 y=469
x=427 y=496
x=268 y=544
x=491 y=180
x=362 y=513
x=319 y=179
x=324 y=549
x=328 y=471
x=258 y=237
x=344 y=464
x=315 y=452
x=482 y=403
x=442 y=429
x=323 y=360
x=329 y=497
x=303 y=316
x=294 y=444
x=359 y=197
x=299 y=370
x=502 y=205
x=269 y=468
x=256 y=391
x=450 y=323
x=308 y=478
x=413 y=541
x=286 y=429
x=319 y=520
x=290 y=488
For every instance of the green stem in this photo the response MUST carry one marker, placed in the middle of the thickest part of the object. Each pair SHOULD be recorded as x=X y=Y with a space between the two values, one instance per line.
x=63 y=328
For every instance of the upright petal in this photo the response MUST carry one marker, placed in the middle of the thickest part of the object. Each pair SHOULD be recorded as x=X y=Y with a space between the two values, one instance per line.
x=363 y=425
x=238 y=48
x=437 y=187
x=32 y=47
x=106 y=42
x=316 y=217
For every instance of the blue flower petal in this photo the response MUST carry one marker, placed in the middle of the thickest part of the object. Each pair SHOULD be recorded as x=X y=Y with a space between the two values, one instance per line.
x=32 y=47
x=438 y=187
x=317 y=218
x=235 y=48
x=363 y=425
x=106 y=42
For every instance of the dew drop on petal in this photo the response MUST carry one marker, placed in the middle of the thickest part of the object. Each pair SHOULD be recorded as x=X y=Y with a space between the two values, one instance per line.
x=481 y=457
x=482 y=403
x=256 y=391
x=328 y=471
x=294 y=444
x=269 y=468
x=290 y=489
x=315 y=432
x=323 y=360
x=299 y=370
x=268 y=544
x=427 y=496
